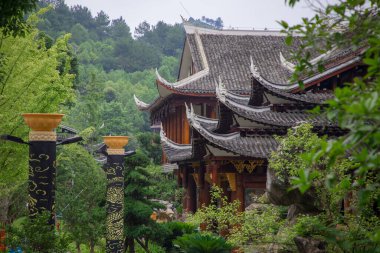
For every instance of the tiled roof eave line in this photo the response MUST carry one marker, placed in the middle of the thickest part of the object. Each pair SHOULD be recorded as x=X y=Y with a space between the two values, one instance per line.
x=213 y=138
x=291 y=87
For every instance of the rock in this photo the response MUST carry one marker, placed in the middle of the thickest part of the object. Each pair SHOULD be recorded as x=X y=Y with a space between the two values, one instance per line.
x=278 y=194
x=310 y=245
x=255 y=206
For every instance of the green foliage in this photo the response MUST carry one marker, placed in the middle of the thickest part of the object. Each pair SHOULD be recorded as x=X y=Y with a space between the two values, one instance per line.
x=259 y=226
x=153 y=248
x=80 y=195
x=33 y=78
x=287 y=160
x=220 y=216
x=176 y=229
x=167 y=39
x=36 y=236
x=207 y=22
x=138 y=208
x=12 y=16
x=151 y=145
x=356 y=106
x=164 y=184
x=202 y=243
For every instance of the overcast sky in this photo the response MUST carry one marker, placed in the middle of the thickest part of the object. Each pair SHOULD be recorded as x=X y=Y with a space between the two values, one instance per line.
x=245 y=14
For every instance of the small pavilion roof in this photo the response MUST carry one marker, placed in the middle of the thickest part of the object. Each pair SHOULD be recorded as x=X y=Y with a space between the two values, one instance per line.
x=257 y=146
x=264 y=114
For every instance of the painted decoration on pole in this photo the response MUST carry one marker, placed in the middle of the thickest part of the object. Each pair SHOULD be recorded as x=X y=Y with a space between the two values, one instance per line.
x=42 y=162
x=115 y=193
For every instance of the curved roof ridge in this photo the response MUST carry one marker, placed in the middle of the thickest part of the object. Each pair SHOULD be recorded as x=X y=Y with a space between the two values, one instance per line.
x=191 y=28
x=172 y=144
x=223 y=95
x=258 y=146
x=207 y=120
x=192 y=118
x=291 y=67
x=282 y=119
x=196 y=76
x=140 y=104
x=290 y=87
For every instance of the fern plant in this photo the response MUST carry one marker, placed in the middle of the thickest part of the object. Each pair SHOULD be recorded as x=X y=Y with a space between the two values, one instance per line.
x=202 y=243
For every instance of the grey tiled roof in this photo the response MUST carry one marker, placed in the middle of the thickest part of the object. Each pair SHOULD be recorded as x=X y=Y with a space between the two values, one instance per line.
x=264 y=114
x=256 y=146
x=227 y=54
x=309 y=97
x=228 y=57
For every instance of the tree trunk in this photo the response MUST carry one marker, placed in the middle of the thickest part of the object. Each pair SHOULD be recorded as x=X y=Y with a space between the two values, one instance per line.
x=131 y=244
x=144 y=245
x=92 y=246
x=77 y=244
x=4 y=207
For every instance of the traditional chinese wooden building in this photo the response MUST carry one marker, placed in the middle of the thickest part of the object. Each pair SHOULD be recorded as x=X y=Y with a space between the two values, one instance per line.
x=232 y=95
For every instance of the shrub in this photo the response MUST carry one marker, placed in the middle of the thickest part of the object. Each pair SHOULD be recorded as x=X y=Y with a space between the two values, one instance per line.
x=176 y=229
x=202 y=243
x=37 y=236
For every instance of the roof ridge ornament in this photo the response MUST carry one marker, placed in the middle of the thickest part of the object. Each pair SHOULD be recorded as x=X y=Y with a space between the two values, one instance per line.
x=163 y=134
x=140 y=104
x=205 y=71
x=191 y=116
x=254 y=70
x=287 y=64
x=221 y=90
x=322 y=56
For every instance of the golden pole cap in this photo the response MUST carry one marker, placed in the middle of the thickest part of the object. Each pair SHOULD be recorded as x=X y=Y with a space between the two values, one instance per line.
x=42 y=121
x=115 y=142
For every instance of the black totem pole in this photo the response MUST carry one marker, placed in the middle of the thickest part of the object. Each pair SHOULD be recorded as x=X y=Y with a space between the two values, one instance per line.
x=115 y=193
x=42 y=160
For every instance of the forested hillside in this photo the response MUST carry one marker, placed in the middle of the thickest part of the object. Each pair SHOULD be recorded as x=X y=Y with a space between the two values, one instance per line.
x=112 y=64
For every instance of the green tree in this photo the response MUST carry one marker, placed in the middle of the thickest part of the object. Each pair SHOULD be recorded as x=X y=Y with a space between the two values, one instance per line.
x=12 y=16
x=139 y=226
x=36 y=236
x=221 y=216
x=101 y=22
x=79 y=34
x=33 y=79
x=344 y=24
x=81 y=188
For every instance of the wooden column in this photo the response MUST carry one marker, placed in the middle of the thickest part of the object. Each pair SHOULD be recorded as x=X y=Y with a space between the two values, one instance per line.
x=185 y=128
x=179 y=124
x=240 y=191
x=202 y=184
x=213 y=169
x=206 y=194
x=185 y=187
x=191 y=195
